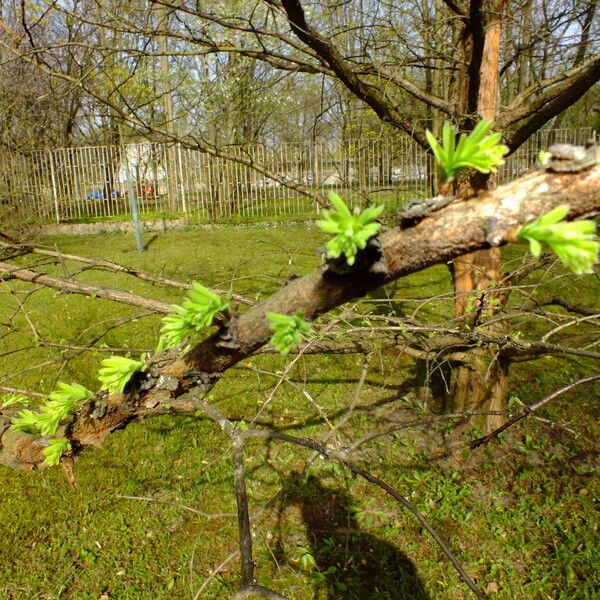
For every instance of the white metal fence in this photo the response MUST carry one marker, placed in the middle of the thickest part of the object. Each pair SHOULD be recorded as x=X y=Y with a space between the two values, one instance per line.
x=78 y=184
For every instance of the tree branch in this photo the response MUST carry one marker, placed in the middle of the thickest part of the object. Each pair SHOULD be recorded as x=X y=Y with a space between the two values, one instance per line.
x=528 y=410
x=8 y=271
x=489 y=220
x=367 y=92
x=456 y=7
x=414 y=90
x=564 y=91
x=108 y=265
x=127 y=114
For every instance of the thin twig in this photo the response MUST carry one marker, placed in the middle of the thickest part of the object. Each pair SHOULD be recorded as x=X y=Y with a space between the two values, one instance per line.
x=526 y=412
x=13 y=390
x=357 y=393
x=241 y=498
x=257 y=590
x=342 y=459
x=428 y=421
x=215 y=572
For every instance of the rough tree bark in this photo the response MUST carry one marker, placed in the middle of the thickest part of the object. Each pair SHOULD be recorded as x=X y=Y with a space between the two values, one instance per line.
x=483 y=383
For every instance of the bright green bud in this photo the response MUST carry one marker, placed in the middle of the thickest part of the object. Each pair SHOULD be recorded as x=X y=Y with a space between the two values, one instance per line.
x=116 y=371
x=352 y=230
x=195 y=314
x=54 y=451
x=474 y=151
x=574 y=242
x=287 y=331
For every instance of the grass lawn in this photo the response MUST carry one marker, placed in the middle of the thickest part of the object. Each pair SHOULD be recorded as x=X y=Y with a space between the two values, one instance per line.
x=272 y=206
x=520 y=515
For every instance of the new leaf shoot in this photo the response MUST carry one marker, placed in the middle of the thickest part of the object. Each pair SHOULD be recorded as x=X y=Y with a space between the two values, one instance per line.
x=54 y=451
x=574 y=242
x=116 y=371
x=13 y=400
x=288 y=332
x=26 y=421
x=195 y=314
x=475 y=151
x=176 y=328
x=59 y=405
x=351 y=230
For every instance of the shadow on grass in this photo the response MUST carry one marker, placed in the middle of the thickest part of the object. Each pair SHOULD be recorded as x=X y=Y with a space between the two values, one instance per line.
x=345 y=562
x=150 y=241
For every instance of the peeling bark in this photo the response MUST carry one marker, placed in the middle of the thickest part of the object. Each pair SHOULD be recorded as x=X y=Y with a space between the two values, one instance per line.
x=481 y=384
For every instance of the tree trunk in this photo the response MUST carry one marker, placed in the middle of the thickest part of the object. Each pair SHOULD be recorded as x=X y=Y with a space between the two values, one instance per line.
x=172 y=175
x=480 y=385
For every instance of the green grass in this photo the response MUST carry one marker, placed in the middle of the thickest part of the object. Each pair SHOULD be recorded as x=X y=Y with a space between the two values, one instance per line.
x=270 y=206
x=519 y=515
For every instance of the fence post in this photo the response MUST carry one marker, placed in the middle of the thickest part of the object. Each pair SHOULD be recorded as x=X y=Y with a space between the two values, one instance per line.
x=181 y=184
x=54 y=187
x=135 y=212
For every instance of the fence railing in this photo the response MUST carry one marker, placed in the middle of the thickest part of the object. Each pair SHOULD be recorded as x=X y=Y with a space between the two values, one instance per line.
x=77 y=184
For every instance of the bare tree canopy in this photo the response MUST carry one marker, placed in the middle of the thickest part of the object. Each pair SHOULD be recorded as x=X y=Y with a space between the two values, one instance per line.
x=316 y=68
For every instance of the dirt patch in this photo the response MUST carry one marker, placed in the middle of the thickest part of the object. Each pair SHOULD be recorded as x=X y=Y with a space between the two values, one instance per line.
x=111 y=227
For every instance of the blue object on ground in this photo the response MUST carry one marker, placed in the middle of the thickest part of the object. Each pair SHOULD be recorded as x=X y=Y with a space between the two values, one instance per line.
x=100 y=195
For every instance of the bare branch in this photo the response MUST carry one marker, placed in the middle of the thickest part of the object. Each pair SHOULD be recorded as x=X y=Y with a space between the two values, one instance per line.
x=8 y=271
x=528 y=410
x=572 y=86
x=110 y=266
x=413 y=90
x=239 y=437
x=178 y=505
x=456 y=7
x=330 y=56
x=13 y=390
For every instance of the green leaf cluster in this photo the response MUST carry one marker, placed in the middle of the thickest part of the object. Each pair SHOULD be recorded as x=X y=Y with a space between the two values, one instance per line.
x=176 y=327
x=287 y=331
x=59 y=405
x=116 y=371
x=27 y=421
x=55 y=449
x=475 y=151
x=573 y=242
x=195 y=314
x=352 y=230
x=13 y=400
